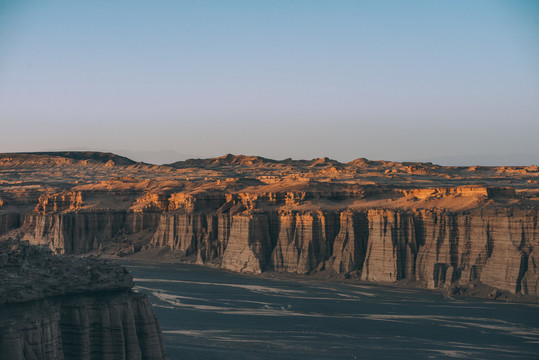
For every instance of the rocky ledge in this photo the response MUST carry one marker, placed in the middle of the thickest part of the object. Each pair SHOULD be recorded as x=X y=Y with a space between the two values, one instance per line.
x=59 y=307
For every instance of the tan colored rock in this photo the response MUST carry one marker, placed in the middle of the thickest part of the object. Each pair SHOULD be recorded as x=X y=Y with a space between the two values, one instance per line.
x=180 y=231
x=249 y=245
x=304 y=241
x=55 y=203
x=512 y=235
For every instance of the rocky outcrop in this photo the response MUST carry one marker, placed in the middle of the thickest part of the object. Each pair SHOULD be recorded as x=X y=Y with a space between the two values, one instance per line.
x=55 y=307
x=54 y=203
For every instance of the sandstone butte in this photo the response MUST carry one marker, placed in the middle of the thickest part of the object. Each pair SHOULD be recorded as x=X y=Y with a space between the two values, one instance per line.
x=417 y=224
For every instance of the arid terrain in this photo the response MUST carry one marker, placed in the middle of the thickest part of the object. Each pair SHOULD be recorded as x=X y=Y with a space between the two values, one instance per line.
x=454 y=228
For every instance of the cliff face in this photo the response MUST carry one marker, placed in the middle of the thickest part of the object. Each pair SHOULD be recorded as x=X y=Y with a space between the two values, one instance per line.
x=437 y=248
x=248 y=245
x=79 y=233
x=377 y=220
x=350 y=246
x=63 y=308
x=499 y=247
x=304 y=241
x=434 y=247
x=9 y=222
x=109 y=326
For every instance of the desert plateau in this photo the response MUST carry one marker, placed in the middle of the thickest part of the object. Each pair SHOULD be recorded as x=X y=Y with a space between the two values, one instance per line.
x=269 y=180
x=419 y=223
x=460 y=231
x=387 y=221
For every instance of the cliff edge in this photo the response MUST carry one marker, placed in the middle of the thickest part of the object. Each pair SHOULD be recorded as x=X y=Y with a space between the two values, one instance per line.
x=59 y=307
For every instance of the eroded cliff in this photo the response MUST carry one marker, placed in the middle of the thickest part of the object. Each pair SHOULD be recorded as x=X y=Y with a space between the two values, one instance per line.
x=435 y=226
x=434 y=247
x=55 y=307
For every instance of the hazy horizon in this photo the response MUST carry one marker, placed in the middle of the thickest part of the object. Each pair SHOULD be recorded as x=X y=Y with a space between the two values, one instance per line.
x=160 y=157
x=455 y=81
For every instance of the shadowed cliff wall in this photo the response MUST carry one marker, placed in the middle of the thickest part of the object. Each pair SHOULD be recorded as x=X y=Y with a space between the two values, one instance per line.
x=54 y=307
x=499 y=246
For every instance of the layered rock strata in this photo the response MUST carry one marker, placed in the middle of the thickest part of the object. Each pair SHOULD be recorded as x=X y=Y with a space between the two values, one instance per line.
x=436 y=248
x=65 y=308
x=83 y=232
x=380 y=221
x=499 y=247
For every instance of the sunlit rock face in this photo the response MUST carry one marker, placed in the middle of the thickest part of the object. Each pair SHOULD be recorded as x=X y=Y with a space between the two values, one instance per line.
x=378 y=221
x=55 y=307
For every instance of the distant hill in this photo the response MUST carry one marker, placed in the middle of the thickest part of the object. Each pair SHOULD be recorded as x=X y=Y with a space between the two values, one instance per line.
x=157 y=157
x=250 y=161
x=229 y=159
x=81 y=155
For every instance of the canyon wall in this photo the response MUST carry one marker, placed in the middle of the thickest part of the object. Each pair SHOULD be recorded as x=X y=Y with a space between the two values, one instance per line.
x=497 y=246
x=53 y=307
x=80 y=232
x=378 y=221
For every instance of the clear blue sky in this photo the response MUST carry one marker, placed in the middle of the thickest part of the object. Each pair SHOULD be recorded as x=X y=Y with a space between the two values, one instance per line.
x=396 y=80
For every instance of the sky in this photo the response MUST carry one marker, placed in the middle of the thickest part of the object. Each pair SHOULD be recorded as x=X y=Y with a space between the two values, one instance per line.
x=395 y=80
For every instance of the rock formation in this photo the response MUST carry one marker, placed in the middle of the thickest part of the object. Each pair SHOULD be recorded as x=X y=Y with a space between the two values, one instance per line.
x=383 y=221
x=56 y=307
